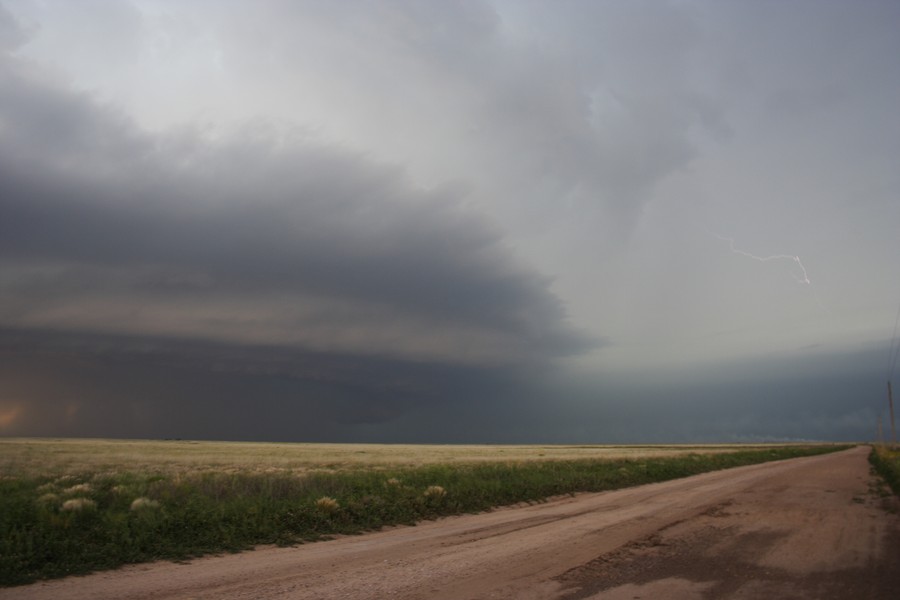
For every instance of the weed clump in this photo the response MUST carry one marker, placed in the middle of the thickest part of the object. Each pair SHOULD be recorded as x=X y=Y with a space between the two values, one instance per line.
x=327 y=505
x=81 y=488
x=142 y=503
x=434 y=492
x=48 y=499
x=79 y=505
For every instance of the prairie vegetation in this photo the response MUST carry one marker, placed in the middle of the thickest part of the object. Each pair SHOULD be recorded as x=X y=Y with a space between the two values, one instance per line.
x=886 y=460
x=67 y=456
x=74 y=506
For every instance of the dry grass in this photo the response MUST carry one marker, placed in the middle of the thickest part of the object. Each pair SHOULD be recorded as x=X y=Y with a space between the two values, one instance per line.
x=79 y=504
x=435 y=491
x=327 y=505
x=143 y=503
x=65 y=457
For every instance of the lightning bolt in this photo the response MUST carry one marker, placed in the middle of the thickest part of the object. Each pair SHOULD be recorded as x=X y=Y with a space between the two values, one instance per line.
x=802 y=277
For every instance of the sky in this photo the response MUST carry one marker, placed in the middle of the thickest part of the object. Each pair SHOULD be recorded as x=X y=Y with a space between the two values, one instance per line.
x=449 y=222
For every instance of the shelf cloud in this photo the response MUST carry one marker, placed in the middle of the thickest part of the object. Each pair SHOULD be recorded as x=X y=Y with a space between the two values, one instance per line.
x=432 y=221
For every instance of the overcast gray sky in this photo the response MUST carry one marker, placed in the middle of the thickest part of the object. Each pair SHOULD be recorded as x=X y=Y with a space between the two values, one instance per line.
x=431 y=221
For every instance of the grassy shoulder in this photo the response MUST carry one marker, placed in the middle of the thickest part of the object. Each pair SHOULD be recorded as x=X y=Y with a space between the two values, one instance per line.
x=886 y=460
x=77 y=523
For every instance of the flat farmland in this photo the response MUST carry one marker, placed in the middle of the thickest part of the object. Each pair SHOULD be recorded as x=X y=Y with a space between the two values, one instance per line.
x=807 y=528
x=70 y=456
x=77 y=506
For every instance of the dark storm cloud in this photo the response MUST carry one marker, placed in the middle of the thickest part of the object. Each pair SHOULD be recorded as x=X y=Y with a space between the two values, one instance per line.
x=602 y=95
x=254 y=285
x=11 y=34
x=593 y=102
x=261 y=238
x=821 y=395
x=240 y=279
x=102 y=385
x=128 y=386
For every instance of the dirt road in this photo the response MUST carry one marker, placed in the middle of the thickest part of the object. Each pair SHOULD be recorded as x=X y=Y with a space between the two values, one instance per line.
x=805 y=528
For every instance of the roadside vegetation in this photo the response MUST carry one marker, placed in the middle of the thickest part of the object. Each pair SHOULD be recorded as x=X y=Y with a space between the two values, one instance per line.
x=53 y=525
x=886 y=460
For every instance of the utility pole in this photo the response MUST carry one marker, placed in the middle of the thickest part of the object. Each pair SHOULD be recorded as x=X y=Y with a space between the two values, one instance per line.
x=891 y=404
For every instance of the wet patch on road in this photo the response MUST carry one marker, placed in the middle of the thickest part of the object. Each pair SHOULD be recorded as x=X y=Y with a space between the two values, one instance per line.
x=711 y=558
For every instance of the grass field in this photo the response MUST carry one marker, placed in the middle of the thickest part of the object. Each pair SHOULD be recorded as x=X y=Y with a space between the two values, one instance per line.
x=58 y=457
x=886 y=460
x=74 y=506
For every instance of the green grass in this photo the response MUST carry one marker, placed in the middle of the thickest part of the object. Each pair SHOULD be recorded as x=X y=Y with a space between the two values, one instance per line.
x=886 y=461
x=191 y=514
